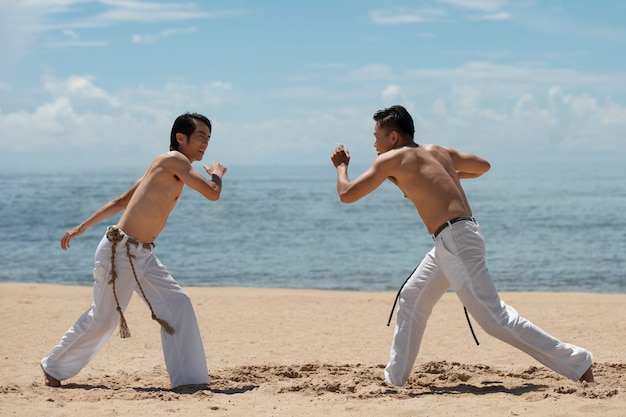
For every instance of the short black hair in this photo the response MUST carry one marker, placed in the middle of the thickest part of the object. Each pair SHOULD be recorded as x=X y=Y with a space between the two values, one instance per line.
x=396 y=118
x=186 y=124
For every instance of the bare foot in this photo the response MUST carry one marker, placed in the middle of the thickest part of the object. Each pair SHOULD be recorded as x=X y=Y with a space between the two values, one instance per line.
x=587 y=376
x=191 y=388
x=50 y=381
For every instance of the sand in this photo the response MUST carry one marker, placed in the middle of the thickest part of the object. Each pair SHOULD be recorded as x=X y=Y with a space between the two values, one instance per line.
x=276 y=352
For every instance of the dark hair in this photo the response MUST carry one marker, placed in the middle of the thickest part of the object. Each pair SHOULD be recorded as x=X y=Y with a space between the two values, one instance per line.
x=396 y=118
x=186 y=124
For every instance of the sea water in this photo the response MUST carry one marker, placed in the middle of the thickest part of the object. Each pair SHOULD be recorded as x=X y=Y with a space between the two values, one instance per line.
x=549 y=229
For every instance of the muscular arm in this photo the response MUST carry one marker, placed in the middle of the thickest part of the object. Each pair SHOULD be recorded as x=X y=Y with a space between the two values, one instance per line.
x=351 y=191
x=183 y=169
x=109 y=209
x=468 y=165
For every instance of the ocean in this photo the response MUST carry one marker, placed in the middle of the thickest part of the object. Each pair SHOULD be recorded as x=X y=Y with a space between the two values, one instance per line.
x=549 y=228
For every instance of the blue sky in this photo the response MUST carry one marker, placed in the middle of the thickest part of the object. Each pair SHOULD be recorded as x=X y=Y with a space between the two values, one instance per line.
x=97 y=84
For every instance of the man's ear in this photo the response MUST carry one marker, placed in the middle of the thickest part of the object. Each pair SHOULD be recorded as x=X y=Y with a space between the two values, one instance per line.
x=180 y=138
x=395 y=137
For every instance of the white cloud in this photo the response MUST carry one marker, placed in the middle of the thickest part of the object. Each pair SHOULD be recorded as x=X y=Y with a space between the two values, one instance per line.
x=22 y=22
x=71 y=34
x=495 y=16
x=400 y=16
x=16 y=33
x=587 y=123
x=139 y=11
x=555 y=121
x=47 y=6
x=405 y=16
x=77 y=88
x=490 y=105
x=391 y=93
x=75 y=44
x=529 y=74
x=221 y=85
x=136 y=38
x=53 y=124
x=484 y=5
x=91 y=124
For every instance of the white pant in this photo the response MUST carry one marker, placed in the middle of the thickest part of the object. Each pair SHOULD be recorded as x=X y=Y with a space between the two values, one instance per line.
x=458 y=260
x=183 y=351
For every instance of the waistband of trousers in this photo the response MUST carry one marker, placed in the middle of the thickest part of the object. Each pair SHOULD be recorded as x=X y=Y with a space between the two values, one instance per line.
x=450 y=222
x=115 y=234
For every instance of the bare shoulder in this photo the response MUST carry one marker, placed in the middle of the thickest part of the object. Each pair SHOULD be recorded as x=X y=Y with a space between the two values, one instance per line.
x=167 y=165
x=454 y=153
x=171 y=157
x=446 y=153
x=389 y=162
x=172 y=161
x=433 y=148
x=422 y=154
x=467 y=165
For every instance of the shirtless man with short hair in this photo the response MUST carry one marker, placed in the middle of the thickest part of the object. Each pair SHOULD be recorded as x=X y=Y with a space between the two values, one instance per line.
x=125 y=262
x=429 y=176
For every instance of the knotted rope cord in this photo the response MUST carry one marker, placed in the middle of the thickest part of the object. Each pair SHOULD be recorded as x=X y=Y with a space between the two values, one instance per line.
x=398 y=296
x=166 y=326
x=115 y=236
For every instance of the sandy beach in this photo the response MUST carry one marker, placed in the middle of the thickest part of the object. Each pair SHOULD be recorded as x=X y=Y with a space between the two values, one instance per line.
x=275 y=352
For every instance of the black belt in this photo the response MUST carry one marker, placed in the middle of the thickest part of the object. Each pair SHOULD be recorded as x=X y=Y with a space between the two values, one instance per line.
x=450 y=223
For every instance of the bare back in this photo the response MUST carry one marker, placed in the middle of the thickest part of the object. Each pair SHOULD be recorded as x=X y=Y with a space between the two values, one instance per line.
x=155 y=197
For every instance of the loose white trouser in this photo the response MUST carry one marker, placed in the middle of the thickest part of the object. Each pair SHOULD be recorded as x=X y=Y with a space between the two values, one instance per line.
x=458 y=260
x=183 y=351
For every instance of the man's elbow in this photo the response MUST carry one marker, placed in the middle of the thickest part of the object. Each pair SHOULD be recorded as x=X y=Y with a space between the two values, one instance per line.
x=481 y=169
x=346 y=198
x=213 y=195
x=121 y=202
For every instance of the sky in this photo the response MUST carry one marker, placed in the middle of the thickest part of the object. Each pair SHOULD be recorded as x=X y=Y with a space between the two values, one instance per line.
x=97 y=84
